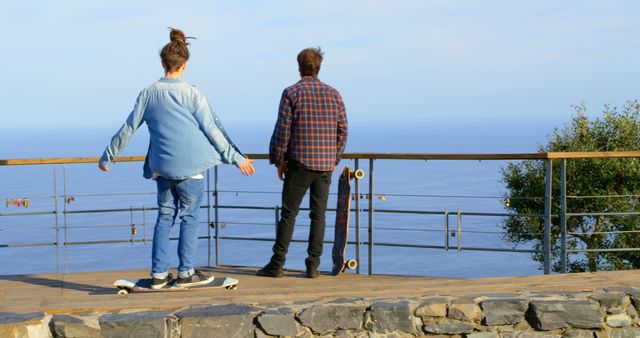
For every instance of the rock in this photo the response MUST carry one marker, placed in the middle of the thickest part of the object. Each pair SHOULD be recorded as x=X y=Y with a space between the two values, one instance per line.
x=23 y=325
x=68 y=326
x=578 y=334
x=137 y=324
x=530 y=334
x=324 y=318
x=433 y=307
x=303 y=332
x=614 y=302
x=278 y=322
x=11 y=318
x=389 y=317
x=448 y=326
x=346 y=301
x=482 y=335
x=503 y=311
x=600 y=334
x=631 y=311
x=550 y=315
x=634 y=294
x=259 y=334
x=615 y=311
x=619 y=320
x=611 y=299
x=350 y=334
x=493 y=296
x=231 y=320
x=632 y=332
x=465 y=311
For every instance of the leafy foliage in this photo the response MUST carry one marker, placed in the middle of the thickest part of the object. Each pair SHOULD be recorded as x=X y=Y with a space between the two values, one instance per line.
x=594 y=186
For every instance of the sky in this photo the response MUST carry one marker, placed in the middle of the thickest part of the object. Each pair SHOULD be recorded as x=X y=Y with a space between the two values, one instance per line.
x=80 y=64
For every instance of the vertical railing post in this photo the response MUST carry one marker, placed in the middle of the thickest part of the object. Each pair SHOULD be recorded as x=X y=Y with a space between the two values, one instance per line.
x=208 y=217
x=459 y=218
x=357 y=199
x=370 y=216
x=217 y=226
x=144 y=225
x=563 y=216
x=131 y=224
x=64 y=201
x=277 y=218
x=446 y=229
x=55 y=201
x=546 y=244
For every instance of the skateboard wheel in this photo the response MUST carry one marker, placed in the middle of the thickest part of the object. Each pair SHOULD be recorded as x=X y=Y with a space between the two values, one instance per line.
x=352 y=264
x=123 y=291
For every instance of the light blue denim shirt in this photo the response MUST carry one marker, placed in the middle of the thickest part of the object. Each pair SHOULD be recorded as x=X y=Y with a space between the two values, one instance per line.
x=186 y=137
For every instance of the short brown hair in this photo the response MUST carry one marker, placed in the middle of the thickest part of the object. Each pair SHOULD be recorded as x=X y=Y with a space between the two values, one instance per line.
x=309 y=61
x=175 y=53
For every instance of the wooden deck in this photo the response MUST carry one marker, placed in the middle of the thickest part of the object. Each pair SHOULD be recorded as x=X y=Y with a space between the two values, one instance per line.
x=89 y=292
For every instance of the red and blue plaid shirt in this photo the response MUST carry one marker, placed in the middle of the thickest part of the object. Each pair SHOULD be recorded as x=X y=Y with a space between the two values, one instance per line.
x=311 y=127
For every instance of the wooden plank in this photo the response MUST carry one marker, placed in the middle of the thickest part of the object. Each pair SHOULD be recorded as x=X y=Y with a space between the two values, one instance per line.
x=67 y=160
x=93 y=291
x=436 y=156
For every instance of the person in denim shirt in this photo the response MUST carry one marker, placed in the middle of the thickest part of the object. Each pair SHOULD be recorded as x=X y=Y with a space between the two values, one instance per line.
x=186 y=139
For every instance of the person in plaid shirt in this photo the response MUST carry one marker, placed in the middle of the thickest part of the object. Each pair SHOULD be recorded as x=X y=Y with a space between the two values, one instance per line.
x=307 y=144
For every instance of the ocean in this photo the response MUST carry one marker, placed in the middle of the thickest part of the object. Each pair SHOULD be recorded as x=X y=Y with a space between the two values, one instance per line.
x=471 y=186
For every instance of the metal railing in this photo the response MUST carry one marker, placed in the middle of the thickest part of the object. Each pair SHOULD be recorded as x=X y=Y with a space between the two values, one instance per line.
x=214 y=206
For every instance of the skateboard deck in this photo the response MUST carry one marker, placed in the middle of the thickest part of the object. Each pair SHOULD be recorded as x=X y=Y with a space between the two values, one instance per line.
x=144 y=285
x=343 y=210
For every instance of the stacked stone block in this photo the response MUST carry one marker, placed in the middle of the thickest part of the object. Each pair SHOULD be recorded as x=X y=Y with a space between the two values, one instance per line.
x=600 y=314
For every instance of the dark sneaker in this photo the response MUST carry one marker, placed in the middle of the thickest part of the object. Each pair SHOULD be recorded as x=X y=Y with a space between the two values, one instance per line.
x=158 y=283
x=312 y=272
x=198 y=278
x=270 y=271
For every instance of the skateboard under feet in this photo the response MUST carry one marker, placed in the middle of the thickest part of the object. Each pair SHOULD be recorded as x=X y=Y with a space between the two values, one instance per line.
x=144 y=285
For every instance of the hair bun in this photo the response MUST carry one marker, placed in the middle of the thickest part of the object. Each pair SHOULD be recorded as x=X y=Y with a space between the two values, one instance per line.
x=177 y=35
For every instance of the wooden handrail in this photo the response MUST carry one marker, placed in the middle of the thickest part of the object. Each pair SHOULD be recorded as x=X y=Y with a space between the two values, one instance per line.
x=593 y=154
x=377 y=156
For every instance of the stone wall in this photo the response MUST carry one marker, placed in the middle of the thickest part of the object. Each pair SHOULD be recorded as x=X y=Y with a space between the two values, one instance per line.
x=604 y=313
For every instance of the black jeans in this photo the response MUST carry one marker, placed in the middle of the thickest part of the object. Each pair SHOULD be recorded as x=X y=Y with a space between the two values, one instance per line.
x=297 y=181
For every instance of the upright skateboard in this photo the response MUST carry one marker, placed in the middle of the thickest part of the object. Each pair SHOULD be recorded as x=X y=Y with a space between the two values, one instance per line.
x=343 y=209
x=144 y=285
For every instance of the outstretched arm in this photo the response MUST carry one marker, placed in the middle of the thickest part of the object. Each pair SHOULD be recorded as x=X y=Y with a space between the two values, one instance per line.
x=120 y=140
x=218 y=138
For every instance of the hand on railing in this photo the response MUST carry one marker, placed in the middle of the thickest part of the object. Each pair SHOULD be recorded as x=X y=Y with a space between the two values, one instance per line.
x=246 y=167
x=102 y=167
